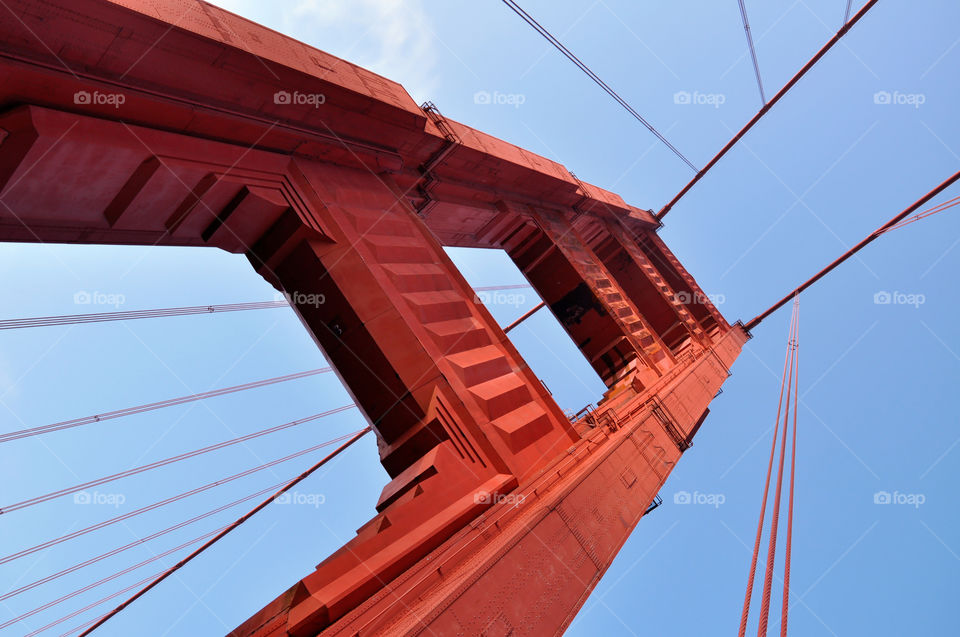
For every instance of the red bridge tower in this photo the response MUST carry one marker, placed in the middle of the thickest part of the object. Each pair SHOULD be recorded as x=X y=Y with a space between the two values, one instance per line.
x=173 y=122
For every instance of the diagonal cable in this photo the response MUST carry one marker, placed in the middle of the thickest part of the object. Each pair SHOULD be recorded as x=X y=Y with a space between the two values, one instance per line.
x=753 y=51
x=139 y=409
x=176 y=498
x=236 y=524
x=167 y=461
x=593 y=76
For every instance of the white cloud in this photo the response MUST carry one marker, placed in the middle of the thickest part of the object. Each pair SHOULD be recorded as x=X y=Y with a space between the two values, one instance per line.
x=393 y=38
x=389 y=37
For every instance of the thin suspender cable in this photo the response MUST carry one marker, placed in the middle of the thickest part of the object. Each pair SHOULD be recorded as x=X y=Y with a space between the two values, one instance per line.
x=491 y=288
x=139 y=409
x=753 y=51
x=846 y=14
x=923 y=215
x=161 y=503
x=766 y=107
x=793 y=470
x=224 y=532
x=775 y=519
x=137 y=542
x=167 y=461
x=86 y=608
x=744 y=616
x=100 y=317
x=849 y=253
x=106 y=579
x=593 y=76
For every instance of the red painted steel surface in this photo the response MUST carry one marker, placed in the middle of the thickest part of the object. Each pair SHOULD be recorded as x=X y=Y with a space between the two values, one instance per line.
x=172 y=122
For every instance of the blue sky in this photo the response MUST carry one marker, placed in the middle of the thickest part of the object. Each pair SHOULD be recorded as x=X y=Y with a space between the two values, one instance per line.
x=823 y=169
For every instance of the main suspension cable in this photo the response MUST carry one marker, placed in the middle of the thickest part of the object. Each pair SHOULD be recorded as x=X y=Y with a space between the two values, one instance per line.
x=161 y=503
x=139 y=409
x=224 y=532
x=766 y=107
x=525 y=316
x=167 y=461
x=593 y=76
x=852 y=251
